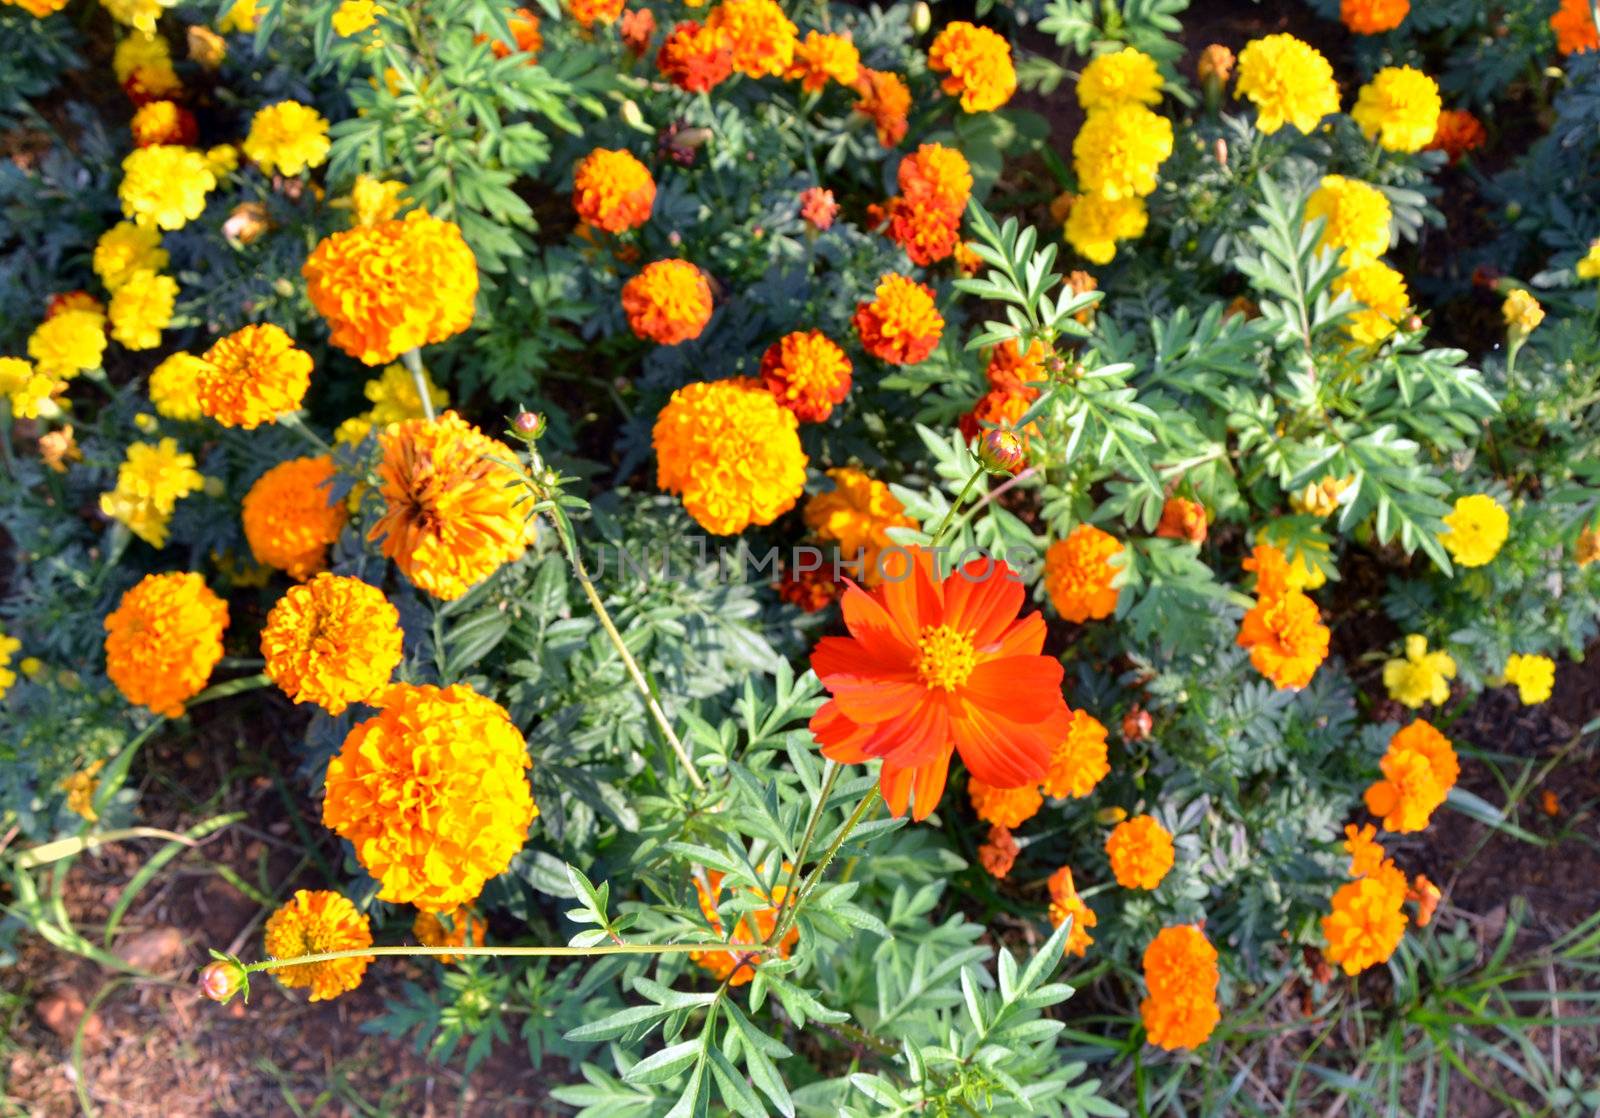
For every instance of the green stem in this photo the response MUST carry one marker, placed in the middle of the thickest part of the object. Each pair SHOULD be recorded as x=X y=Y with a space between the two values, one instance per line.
x=413 y=361
x=293 y=422
x=868 y=801
x=966 y=491
x=811 y=833
x=516 y=952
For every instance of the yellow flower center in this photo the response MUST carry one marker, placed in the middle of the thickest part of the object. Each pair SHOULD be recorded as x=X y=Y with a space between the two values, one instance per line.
x=945 y=657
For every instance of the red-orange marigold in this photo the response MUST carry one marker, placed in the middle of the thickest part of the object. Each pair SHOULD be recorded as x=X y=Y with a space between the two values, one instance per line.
x=612 y=190
x=668 y=302
x=695 y=58
x=902 y=324
x=807 y=373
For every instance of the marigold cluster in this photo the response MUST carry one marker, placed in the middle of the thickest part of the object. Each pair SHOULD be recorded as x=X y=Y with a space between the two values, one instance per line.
x=151 y=481
x=902 y=324
x=1004 y=807
x=1356 y=218
x=1078 y=761
x=1399 y=108
x=1419 y=769
x=252 y=376
x=465 y=930
x=977 y=62
x=163 y=639
x=1283 y=629
x=695 y=58
x=737 y=968
x=291 y=517
x=763 y=39
x=1065 y=904
x=1419 y=677
x=1288 y=81
x=141 y=307
x=1141 y=852
x=1475 y=530
x=668 y=302
x=1180 y=970
x=1079 y=574
x=807 y=373
x=1095 y=224
x=1533 y=676
x=313 y=922
x=1384 y=300
x=1367 y=920
x=925 y=217
x=1373 y=17
x=333 y=641
x=165 y=185
x=820 y=58
x=1119 y=149
x=612 y=190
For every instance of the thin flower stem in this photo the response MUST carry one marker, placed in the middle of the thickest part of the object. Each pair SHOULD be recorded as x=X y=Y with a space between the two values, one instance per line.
x=961 y=499
x=516 y=952
x=413 y=361
x=869 y=801
x=811 y=833
x=293 y=422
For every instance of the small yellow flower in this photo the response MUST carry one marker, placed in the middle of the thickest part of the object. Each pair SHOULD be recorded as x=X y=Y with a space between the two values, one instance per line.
x=1420 y=676
x=8 y=648
x=30 y=391
x=1381 y=292
x=222 y=159
x=1589 y=267
x=374 y=200
x=68 y=343
x=165 y=185
x=287 y=138
x=80 y=788
x=1522 y=313
x=1321 y=498
x=1476 y=530
x=243 y=17
x=1534 y=677
x=141 y=308
x=150 y=483
x=355 y=16
x=1399 y=108
x=124 y=249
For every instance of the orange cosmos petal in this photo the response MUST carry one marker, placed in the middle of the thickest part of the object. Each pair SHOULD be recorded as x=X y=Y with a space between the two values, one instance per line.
x=983 y=599
x=842 y=740
x=1027 y=688
x=876 y=628
x=917 y=786
x=1004 y=753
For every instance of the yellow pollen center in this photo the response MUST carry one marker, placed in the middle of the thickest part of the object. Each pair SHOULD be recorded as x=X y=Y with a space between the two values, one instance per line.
x=945 y=657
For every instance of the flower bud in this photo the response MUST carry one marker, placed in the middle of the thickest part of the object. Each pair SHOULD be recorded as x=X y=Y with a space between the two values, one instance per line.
x=222 y=979
x=1221 y=151
x=1214 y=68
x=1413 y=323
x=1002 y=451
x=529 y=424
x=633 y=118
x=1110 y=816
x=921 y=17
x=1137 y=724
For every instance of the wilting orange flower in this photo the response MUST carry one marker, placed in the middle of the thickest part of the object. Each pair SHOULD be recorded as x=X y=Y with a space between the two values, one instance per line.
x=820 y=58
x=695 y=58
x=1426 y=895
x=291 y=517
x=454 y=514
x=1419 y=769
x=432 y=794
x=1182 y=519
x=1367 y=921
x=1180 y=968
x=1367 y=855
x=1283 y=630
x=524 y=33
x=310 y=923
x=465 y=930
x=818 y=207
x=762 y=37
x=1078 y=760
x=334 y=641
x=812 y=589
x=638 y=28
x=252 y=376
x=738 y=968
x=999 y=853
x=856 y=515
x=1373 y=17
x=978 y=62
x=612 y=190
x=1065 y=903
x=1141 y=852
x=1079 y=575
x=885 y=98
x=806 y=373
x=393 y=286
x=934 y=666
x=1004 y=807
x=668 y=302
x=901 y=325
x=1458 y=133
x=590 y=12
x=1574 y=26
x=163 y=639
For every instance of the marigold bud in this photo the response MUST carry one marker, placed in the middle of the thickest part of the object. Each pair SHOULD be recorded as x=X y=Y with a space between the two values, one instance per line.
x=921 y=17
x=1137 y=724
x=222 y=979
x=1215 y=64
x=1221 y=151
x=1001 y=451
x=1413 y=323
x=529 y=424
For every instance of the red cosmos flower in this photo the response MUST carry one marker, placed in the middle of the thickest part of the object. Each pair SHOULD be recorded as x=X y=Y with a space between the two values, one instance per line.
x=931 y=667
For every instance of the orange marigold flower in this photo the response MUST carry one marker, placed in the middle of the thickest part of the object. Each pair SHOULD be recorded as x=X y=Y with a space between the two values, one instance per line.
x=821 y=58
x=333 y=641
x=999 y=853
x=902 y=324
x=291 y=516
x=811 y=589
x=252 y=376
x=935 y=666
x=1367 y=921
x=1458 y=133
x=1426 y=895
x=453 y=513
x=668 y=302
x=612 y=190
x=997 y=407
x=928 y=232
x=310 y=923
x=1182 y=519
x=1286 y=638
x=163 y=639
x=818 y=207
x=1079 y=575
x=762 y=37
x=638 y=28
x=1064 y=904
x=590 y=12
x=1574 y=26
x=432 y=794
x=978 y=62
x=524 y=33
x=1373 y=17
x=465 y=930
x=1004 y=807
x=1078 y=761
x=162 y=122
x=393 y=286
x=736 y=967
x=695 y=58
x=938 y=175
x=967 y=259
x=885 y=98
x=1367 y=855
x=732 y=452
x=807 y=373
x=1141 y=852
x=856 y=515
x=1419 y=769
x=1013 y=370
x=1180 y=969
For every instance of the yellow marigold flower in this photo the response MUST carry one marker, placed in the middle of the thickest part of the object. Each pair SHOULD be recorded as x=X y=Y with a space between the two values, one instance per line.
x=1180 y=970
x=1419 y=769
x=139 y=52
x=737 y=968
x=1589 y=267
x=124 y=249
x=1356 y=218
x=1123 y=77
x=1382 y=293
x=28 y=390
x=856 y=515
x=81 y=786
x=465 y=930
x=287 y=138
x=163 y=639
x=453 y=513
x=313 y=922
x=763 y=38
x=38 y=9
x=252 y=376
x=141 y=15
x=291 y=517
x=175 y=386
x=1367 y=855
x=8 y=648
x=165 y=185
x=1534 y=677
x=1373 y=17
x=1004 y=807
x=1141 y=852
x=732 y=452
x=151 y=481
x=1078 y=761
x=978 y=62
x=1367 y=921
x=394 y=286
x=807 y=373
x=1476 y=530
x=57 y=448
x=352 y=17
x=1095 y=224
x=243 y=16
x=1079 y=574
x=141 y=308
x=1399 y=108
x=333 y=641
x=68 y=343
x=1288 y=81
x=222 y=159
x=902 y=323
x=820 y=58
x=431 y=792
x=1118 y=151
x=1065 y=904
x=394 y=398
x=612 y=190
x=374 y=200
x=1522 y=312
x=1420 y=676
x=1573 y=24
